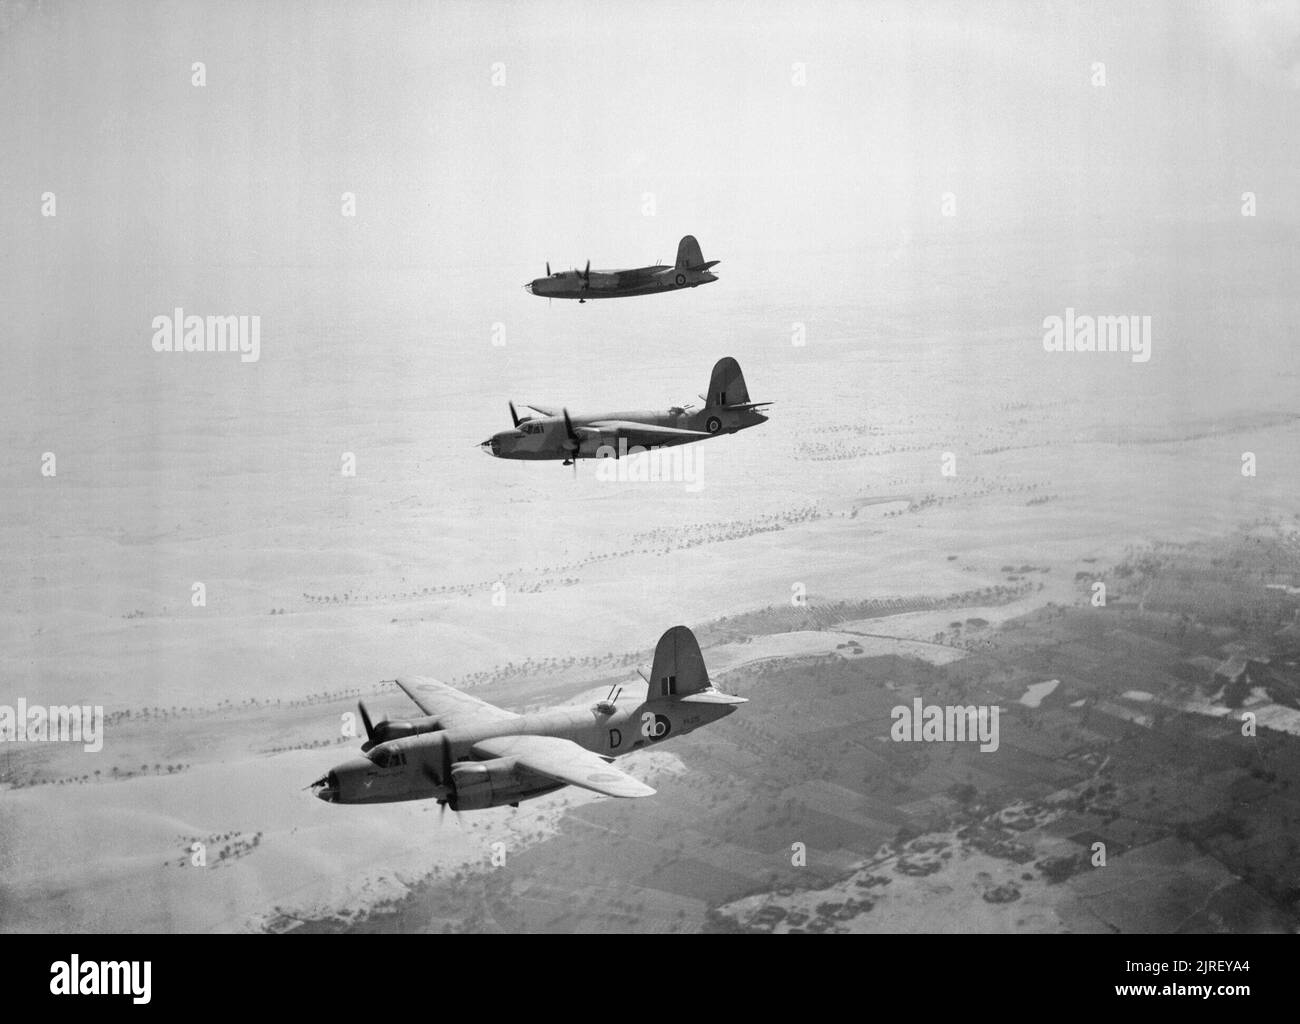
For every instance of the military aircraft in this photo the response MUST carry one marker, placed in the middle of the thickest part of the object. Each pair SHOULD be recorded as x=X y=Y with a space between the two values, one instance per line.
x=690 y=271
x=727 y=409
x=468 y=754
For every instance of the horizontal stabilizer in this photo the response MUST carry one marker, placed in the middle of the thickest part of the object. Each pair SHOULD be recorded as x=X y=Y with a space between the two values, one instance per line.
x=712 y=697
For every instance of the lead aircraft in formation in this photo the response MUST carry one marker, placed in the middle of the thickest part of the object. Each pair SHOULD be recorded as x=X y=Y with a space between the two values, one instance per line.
x=468 y=754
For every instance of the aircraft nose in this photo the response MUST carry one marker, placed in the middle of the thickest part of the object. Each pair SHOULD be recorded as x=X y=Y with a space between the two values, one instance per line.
x=492 y=446
x=529 y=288
x=326 y=788
x=345 y=783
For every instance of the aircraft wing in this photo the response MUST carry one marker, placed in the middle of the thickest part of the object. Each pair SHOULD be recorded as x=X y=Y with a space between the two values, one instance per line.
x=646 y=434
x=542 y=409
x=564 y=761
x=447 y=704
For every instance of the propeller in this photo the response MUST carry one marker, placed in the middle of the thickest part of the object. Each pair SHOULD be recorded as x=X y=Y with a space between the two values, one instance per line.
x=448 y=783
x=513 y=415
x=548 y=268
x=370 y=727
x=572 y=442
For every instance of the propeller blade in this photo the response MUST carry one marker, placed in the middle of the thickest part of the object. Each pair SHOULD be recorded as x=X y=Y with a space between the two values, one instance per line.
x=365 y=720
x=513 y=415
x=572 y=443
x=447 y=782
x=586 y=274
x=548 y=268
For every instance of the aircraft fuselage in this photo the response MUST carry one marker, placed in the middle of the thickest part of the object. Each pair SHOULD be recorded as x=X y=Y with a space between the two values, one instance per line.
x=412 y=768
x=616 y=284
x=544 y=437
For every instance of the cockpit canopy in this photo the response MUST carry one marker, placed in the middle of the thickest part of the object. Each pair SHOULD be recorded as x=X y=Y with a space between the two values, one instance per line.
x=385 y=756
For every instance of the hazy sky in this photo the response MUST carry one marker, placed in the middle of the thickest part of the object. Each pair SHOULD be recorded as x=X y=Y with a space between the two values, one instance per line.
x=482 y=139
x=600 y=104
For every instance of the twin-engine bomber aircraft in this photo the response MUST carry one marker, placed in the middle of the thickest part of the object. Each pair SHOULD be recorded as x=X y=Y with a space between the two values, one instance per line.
x=690 y=271
x=727 y=409
x=468 y=754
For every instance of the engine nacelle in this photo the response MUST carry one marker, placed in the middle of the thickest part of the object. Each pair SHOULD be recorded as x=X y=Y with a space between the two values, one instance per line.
x=387 y=730
x=479 y=784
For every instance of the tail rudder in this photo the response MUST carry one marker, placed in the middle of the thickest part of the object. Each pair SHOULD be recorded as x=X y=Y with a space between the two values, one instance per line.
x=678 y=666
x=727 y=384
x=688 y=253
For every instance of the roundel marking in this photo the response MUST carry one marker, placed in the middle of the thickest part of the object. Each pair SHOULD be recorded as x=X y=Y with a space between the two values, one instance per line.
x=655 y=727
x=713 y=425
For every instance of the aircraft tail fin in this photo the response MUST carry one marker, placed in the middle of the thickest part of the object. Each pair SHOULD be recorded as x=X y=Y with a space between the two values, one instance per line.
x=678 y=666
x=727 y=384
x=689 y=256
